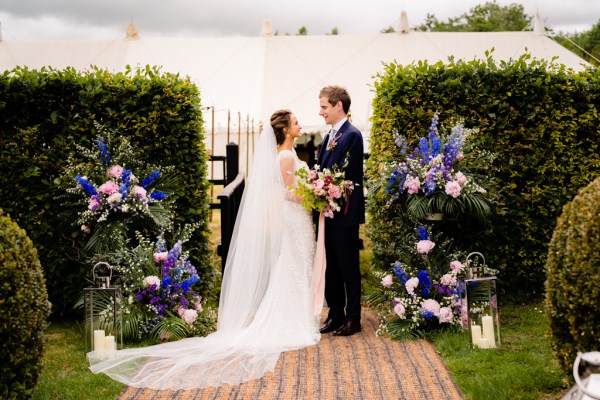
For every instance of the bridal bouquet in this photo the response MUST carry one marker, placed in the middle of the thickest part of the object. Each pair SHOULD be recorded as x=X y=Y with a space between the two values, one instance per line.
x=323 y=190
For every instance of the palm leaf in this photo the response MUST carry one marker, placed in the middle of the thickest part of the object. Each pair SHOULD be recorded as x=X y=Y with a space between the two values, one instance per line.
x=172 y=327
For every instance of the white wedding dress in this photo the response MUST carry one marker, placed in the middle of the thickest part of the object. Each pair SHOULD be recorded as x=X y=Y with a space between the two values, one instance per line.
x=266 y=304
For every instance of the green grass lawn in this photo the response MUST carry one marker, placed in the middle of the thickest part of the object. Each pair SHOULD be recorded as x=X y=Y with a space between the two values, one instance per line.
x=523 y=367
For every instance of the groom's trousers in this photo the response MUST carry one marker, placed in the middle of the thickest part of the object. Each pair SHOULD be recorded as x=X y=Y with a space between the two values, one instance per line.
x=342 y=273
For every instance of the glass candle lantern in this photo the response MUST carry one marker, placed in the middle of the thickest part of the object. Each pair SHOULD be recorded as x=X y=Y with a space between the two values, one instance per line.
x=479 y=305
x=103 y=320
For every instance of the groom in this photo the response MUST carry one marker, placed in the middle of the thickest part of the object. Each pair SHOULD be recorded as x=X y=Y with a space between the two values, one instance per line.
x=342 y=274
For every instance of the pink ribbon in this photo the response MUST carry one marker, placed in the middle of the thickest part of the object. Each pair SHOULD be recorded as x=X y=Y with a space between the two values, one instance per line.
x=318 y=276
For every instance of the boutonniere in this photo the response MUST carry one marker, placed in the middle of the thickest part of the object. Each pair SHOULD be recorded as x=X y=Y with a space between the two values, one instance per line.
x=333 y=141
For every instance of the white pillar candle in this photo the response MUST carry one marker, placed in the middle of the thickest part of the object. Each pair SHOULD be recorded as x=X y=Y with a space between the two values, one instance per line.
x=488 y=330
x=484 y=343
x=475 y=334
x=110 y=345
x=98 y=340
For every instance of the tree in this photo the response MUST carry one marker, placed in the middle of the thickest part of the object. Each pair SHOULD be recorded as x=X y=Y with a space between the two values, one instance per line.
x=389 y=29
x=302 y=31
x=488 y=17
x=334 y=31
x=585 y=44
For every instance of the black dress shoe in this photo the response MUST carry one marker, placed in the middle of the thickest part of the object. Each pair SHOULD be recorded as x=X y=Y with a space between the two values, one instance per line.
x=348 y=328
x=330 y=325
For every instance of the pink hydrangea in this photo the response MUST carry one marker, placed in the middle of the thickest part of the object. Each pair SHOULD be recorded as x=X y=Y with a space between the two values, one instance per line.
x=108 y=187
x=162 y=256
x=189 y=316
x=413 y=185
x=115 y=171
x=387 y=281
x=445 y=315
x=456 y=266
x=425 y=246
x=432 y=306
x=461 y=179
x=151 y=280
x=453 y=189
x=335 y=192
x=399 y=309
x=411 y=285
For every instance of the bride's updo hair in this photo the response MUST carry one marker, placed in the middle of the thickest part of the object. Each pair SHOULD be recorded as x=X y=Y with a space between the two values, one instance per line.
x=280 y=120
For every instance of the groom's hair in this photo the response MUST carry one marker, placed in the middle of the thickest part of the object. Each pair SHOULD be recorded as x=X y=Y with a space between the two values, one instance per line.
x=335 y=94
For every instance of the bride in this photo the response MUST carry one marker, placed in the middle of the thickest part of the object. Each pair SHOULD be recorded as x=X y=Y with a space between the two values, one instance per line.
x=268 y=302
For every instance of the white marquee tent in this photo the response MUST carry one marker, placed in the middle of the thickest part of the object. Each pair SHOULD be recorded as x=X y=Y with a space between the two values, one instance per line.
x=257 y=75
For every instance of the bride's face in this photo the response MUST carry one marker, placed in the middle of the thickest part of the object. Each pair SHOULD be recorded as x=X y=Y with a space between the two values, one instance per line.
x=295 y=127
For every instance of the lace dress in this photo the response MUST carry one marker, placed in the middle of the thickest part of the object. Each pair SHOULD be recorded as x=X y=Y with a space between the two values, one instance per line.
x=283 y=321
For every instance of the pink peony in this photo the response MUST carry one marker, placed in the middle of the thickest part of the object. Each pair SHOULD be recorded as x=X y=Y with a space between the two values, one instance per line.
x=445 y=315
x=399 y=309
x=198 y=307
x=453 y=189
x=180 y=310
x=456 y=266
x=335 y=192
x=115 y=171
x=425 y=246
x=413 y=185
x=461 y=179
x=162 y=256
x=151 y=280
x=85 y=229
x=109 y=187
x=411 y=285
x=387 y=281
x=190 y=316
x=312 y=175
x=431 y=306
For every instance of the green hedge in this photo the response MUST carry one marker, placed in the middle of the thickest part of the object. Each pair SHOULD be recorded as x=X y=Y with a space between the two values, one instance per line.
x=540 y=120
x=43 y=113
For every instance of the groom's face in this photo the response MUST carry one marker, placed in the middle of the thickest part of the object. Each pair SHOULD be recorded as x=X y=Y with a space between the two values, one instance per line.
x=331 y=114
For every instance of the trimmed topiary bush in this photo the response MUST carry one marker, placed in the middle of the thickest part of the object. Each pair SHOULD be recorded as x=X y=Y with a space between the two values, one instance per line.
x=24 y=308
x=573 y=277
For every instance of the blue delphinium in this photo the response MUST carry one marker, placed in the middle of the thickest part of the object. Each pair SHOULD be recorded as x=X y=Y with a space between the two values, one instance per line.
x=104 y=154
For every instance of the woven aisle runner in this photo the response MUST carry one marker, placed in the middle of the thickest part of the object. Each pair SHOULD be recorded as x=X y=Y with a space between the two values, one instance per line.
x=362 y=366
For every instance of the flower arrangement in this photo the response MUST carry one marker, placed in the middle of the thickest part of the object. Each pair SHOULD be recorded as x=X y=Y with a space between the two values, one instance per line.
x=324 y=190
x=172 y=289
x=159 y=287
x=420 y=292
x=432 y=178
x=113 y=200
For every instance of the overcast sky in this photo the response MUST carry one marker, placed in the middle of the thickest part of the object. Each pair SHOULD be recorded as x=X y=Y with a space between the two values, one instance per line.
x=102 y=19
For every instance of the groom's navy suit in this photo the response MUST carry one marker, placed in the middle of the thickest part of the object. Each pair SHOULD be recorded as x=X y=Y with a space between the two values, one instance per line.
x=342 y=274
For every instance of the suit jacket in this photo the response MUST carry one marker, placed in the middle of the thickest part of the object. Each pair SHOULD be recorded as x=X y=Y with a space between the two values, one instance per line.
x=350 y=144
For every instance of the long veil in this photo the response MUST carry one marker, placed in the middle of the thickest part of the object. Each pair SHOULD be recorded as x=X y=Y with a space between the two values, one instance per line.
x=232 y=354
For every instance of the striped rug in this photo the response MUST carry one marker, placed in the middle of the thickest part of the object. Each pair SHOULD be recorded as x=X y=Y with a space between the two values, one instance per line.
x=361 y=366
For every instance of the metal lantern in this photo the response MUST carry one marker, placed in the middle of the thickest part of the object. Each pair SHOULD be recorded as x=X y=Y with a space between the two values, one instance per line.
x=103 y=325
x=479 y=304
